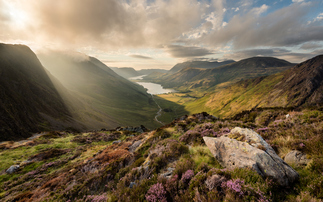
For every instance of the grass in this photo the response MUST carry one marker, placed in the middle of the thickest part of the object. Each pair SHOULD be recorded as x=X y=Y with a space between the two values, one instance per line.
x=94 y=167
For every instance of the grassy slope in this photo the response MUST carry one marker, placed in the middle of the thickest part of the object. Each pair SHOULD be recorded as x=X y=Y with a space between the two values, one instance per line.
x=74 y=167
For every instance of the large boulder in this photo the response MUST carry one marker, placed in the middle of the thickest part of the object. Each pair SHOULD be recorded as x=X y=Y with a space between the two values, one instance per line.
x=244 y=148
x=296 y=158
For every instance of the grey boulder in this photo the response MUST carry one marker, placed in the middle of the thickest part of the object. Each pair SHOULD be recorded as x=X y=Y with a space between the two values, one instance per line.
x=12 y=169
x=244 y=148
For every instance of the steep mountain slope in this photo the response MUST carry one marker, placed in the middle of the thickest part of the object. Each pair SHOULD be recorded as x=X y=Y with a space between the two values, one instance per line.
x=247 y=68
x=199 y=64
x=300 y=85
x=107 y=92
x=29 y=100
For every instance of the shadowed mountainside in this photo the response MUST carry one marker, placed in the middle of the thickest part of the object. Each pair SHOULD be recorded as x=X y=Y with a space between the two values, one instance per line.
x=29 y=99
x=105 y=91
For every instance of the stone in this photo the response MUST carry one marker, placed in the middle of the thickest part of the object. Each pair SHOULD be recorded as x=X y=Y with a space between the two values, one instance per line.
x=13 y=169
x=134 y=146
x=296 y=158
x=244 y=148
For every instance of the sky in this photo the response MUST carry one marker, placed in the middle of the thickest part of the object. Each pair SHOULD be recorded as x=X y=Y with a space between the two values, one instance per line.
x=160 y=33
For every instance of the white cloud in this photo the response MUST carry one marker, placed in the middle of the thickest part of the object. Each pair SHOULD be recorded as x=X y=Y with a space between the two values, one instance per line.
x=259 y=10
x=297 y=1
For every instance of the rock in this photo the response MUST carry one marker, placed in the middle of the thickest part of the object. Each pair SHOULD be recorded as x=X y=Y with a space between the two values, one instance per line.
x=244 y=148
x=287 y=116
x=134 y=146
x=116 y=142
x=296 y=158
x=168 y=173
x=13 y=169
x=132 y=184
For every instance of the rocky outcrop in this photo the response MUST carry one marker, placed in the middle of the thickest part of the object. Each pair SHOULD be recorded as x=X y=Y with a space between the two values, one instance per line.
x=12 y=169
x=140 y=129
x=244 y=148
x=296 y=158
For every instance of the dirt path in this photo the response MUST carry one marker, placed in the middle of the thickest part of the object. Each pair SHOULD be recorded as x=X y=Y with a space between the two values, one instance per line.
x=159 y=111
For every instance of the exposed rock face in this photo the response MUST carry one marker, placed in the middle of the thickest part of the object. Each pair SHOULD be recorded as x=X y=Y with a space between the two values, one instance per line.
x=297 y=158
x=245 y=148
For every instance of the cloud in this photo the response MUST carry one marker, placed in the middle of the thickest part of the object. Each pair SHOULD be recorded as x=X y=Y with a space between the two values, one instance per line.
x=311 y=45
x=281 y=53
x=111 y=23
x=284 y=27
x=297 y=1
x=178 y=51
x=257 y=52
x=141 y=57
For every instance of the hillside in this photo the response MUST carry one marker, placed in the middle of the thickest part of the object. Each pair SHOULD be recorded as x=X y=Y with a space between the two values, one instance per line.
x=231 y=73
x=198 y=64
x=126 y=72
x=29 y=101
x=300 y=85
x=104 y=90
x=172 y=163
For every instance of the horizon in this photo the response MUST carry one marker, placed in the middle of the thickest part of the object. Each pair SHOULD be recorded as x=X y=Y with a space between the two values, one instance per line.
x=149 y=34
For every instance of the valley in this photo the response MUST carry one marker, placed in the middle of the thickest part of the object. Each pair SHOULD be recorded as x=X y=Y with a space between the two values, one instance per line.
x=161 y=101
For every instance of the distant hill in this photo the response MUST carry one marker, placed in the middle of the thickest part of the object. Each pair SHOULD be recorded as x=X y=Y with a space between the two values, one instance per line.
x=29 y=100
x=104 y=90
x=198 y=64
x=243 y=69
x=126 y=72
x=150 y=71
x=298 y=86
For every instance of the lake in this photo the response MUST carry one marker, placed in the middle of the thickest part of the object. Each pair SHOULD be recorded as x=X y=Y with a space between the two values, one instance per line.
x=152 y=88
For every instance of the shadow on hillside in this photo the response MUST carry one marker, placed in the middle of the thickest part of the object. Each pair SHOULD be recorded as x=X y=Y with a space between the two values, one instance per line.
x=170 y=110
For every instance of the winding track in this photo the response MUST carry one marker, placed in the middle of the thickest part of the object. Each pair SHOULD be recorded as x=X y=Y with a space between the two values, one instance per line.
x=159 y=111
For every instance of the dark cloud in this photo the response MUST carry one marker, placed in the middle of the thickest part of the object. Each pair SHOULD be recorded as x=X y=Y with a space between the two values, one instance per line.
x=178 y=51
x=284 y=27
x=141 y=57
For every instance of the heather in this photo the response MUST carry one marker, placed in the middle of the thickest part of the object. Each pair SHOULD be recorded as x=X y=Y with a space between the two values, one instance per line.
x=171 y=163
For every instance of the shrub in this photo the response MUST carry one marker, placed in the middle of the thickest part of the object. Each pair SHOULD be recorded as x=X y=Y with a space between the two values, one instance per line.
x=187 y=176
x=156 y=193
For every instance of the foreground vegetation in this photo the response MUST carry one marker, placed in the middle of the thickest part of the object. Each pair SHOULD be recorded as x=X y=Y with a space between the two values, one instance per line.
x=171 y=163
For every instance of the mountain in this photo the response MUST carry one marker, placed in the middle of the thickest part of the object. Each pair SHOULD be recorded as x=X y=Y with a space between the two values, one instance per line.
x=233 y=72
x=126 y=72
x=29 y=100
x=150 y=71
x=301 y=85
x=199 y=64
x=101 y=88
